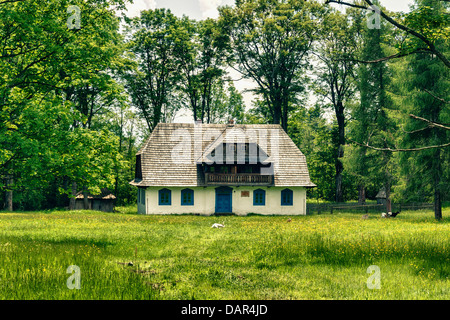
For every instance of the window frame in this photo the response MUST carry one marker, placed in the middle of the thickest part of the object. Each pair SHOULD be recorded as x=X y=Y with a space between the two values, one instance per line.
x=163 y=192
x=141 y=196
x=289 y=201
x=256 y=193
x=187 y=191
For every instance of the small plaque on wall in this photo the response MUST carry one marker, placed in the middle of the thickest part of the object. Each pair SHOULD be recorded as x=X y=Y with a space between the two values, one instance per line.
x=245 y=193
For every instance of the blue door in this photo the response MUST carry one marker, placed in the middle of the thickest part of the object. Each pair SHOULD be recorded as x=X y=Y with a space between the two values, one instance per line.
x=223 y=200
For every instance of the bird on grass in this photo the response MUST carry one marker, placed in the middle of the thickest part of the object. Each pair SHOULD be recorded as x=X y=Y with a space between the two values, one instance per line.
x=389 y=214
x=217 y=225
x=289 y=220
x=394 y=214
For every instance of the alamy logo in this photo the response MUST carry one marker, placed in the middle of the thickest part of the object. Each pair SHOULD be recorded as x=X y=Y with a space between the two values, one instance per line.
x=374 y=19
x=212 y=145
x=374 y=281
x=74 y=281
x=74 y=21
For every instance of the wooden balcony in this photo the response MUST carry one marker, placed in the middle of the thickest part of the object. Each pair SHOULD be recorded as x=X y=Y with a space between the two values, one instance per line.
x=238 y=179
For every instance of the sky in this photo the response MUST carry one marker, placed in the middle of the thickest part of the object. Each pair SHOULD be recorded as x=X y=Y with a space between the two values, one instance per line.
x=202 y=9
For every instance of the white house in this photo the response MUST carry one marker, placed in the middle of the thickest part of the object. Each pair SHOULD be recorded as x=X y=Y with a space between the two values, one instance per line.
x=219 y=169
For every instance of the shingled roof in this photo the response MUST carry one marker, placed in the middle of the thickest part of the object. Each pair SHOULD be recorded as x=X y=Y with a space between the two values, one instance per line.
x=105 y=194
x=166 y=161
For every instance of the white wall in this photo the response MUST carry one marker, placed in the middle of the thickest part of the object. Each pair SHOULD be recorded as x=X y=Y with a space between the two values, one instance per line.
x=204 y=201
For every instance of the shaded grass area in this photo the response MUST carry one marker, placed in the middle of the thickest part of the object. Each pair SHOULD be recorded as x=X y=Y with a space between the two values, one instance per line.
x=253 y=257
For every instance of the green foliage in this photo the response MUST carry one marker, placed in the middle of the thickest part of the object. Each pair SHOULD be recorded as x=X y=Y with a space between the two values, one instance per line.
x=314 y=136
x=370 y=123
x=153 y=40
x=268 y=42
x=430 y=19
x=335 y=78
x=427 y=87
x=76 y=104
x=52 y=80
x=201 y=67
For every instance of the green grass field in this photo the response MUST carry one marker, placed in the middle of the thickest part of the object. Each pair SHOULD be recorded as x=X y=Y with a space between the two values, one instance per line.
x=254 y=257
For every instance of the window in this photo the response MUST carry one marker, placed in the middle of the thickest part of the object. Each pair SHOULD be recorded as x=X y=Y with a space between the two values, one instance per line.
x=259 y=197
x=141 y=196
x=165 y=197
x=187 y=197
x=286 y=197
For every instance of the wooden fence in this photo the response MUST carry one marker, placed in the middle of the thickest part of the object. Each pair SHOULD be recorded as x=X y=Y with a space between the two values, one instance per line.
x=318 y=208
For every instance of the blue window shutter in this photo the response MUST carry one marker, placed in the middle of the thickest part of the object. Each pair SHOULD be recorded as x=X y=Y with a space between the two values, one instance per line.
x=287 y=197
x=259 y=197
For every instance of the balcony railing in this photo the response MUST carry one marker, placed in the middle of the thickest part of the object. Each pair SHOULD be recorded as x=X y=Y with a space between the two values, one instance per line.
x=238 y=179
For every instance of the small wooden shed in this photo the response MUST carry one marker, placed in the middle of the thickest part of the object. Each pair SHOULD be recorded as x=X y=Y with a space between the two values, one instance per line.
x=105 y=201
x=381 y=196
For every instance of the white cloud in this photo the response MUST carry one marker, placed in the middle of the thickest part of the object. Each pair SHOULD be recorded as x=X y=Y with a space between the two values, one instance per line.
x=209 y=8
x=150 y=4
x=137 y=6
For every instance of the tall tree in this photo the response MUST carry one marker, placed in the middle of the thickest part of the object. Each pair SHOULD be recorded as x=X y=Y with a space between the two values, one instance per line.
x=371 y=115
x=336 y=53
x=421 y=31
x=226 y=103
x=421 y=35
x=268 y=42
x=200 y=63
x=311 y=132
x=427 y=81
x=152 y=44
x=37 y=52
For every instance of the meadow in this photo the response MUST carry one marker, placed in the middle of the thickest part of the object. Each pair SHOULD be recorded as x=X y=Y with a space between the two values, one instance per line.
x=123 y=255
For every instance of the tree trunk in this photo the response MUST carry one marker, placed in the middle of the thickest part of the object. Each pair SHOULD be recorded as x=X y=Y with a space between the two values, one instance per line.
x=437 y=180
x=72 y=198
x=338 y=180
x=277 y=109
x=85 y=199
x=340 y=154
x=116 y=186
x=284 y=122
x=9 y=194
x=387 y=187
x=361 y=194
x=65 y=187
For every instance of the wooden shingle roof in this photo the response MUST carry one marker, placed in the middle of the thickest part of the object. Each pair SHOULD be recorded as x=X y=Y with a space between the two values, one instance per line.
x=105 y=194
x=171 y=154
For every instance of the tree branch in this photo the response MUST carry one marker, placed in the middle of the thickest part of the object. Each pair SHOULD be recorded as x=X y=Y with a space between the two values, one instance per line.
x=408 y=30
x=394 y=56
x=346 y=4
x=400 y=150
x=436 y=97
x=430 y=123
x=8 y=1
